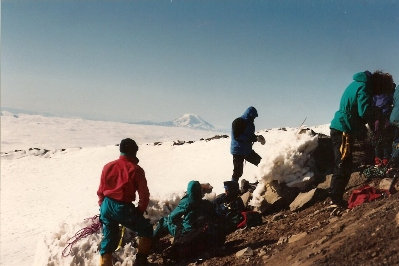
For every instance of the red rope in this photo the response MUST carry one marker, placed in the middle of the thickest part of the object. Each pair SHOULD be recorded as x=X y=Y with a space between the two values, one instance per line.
x=82 y=233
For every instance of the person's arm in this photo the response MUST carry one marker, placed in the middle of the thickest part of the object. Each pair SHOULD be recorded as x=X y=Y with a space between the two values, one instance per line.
x=178 y=211
x=364 y=106
x=249 y=133
x=252 y=136
x=142 y=189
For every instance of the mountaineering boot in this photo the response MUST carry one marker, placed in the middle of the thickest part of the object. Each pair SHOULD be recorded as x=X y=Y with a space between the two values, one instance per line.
x=106 y=259
x=141 y=260
x=143 y=250
x=144 y=246
x=337 y=189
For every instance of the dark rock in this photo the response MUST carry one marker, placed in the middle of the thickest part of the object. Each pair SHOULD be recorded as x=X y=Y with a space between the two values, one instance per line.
x=179 y=142
x=305 y=130
x=217 y=137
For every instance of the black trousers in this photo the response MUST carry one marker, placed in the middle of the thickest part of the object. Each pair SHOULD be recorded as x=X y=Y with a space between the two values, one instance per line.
x=238 y=163
x=342 y=168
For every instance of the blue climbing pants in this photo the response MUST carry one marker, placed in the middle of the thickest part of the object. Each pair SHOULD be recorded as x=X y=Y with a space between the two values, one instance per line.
x=113 y=213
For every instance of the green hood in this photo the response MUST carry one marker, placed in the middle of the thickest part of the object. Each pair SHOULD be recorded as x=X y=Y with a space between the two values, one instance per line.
x=361 y=76
x=194 y=191
x=355 y=106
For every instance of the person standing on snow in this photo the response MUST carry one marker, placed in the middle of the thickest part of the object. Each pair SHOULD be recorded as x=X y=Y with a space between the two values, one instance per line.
x=349 y=122
x=242 y=138
x=120 y=180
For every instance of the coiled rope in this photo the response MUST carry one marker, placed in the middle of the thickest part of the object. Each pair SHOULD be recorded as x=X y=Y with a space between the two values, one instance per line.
x=93 y=228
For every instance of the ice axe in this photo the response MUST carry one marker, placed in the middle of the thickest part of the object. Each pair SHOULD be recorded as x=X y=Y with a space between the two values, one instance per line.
x=395 y=178
x=299 y=128
x=392 y=170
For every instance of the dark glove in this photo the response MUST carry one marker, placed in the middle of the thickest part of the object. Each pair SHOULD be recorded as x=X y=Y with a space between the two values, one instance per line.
x=261 y=139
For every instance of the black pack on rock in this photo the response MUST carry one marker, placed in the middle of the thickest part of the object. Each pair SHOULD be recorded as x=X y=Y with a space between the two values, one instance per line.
x=250 y=218
x=238 y=126
x=193 y=243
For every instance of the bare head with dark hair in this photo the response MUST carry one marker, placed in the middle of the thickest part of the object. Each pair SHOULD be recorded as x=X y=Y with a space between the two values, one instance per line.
x=381 y=83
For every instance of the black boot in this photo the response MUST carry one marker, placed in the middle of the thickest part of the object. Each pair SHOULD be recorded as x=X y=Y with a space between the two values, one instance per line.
x=141 y=260
x=337 y=190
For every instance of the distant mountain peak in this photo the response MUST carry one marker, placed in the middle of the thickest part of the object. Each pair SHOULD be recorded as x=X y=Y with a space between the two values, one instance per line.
x=192 y=121
x=187 y=120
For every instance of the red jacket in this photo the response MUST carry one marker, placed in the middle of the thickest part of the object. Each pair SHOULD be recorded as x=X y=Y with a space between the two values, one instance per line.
x=121 y=179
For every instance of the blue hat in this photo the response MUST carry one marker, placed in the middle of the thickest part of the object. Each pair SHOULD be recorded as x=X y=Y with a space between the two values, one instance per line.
x=231 y=186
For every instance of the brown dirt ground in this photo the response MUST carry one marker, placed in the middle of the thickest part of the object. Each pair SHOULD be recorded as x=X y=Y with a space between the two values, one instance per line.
x=365 y=235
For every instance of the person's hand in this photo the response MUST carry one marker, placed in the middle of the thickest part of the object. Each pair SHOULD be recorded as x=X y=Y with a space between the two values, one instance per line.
x=261 y=139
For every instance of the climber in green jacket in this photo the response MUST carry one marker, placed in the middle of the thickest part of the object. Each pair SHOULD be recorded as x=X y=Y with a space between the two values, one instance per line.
x=349 y=122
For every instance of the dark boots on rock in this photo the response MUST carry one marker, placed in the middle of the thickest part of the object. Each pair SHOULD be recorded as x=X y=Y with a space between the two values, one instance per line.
x=141 y=260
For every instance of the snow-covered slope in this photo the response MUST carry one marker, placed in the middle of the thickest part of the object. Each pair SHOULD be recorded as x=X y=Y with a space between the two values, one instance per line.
x=46 y=194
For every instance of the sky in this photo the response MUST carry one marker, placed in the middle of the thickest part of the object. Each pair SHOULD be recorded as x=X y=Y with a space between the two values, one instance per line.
x=51 y=167
x=153 y=60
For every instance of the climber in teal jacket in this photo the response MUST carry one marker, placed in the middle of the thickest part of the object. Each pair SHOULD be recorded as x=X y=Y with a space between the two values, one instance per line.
x=349 y=122
x=355 y=106
x=183 y=217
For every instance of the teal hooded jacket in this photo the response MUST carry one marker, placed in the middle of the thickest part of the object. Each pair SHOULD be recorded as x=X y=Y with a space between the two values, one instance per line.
x=189 y=209
x=355 y=108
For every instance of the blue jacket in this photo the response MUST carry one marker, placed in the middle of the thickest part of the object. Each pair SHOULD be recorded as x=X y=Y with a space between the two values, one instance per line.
x=394 y=119
x=355 y=108
x=242 y=144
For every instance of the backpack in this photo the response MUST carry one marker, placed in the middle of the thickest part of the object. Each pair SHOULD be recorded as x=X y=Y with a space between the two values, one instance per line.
x=250 y=218
x=238 y=126
x=192 y=243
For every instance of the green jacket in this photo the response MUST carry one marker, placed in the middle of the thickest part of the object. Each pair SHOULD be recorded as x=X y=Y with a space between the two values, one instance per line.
x=190 y=207
x=355 y=108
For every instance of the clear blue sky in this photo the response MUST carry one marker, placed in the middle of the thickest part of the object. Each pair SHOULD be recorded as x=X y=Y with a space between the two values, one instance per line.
x=156 y=60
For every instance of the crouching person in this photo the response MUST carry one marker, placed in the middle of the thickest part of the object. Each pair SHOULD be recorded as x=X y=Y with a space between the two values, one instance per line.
x=193 y=224
x=229 y=207
x=181 y=218
x=120 y=180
